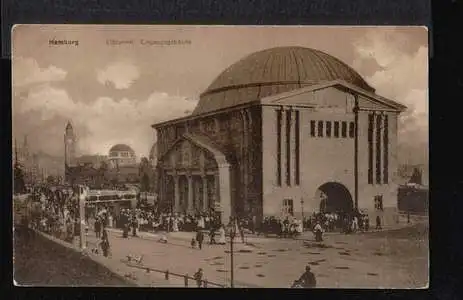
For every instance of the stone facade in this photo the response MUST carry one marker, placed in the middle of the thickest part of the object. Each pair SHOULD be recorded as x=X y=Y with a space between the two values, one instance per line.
x=193 y=152
x=329 y=159
x=261 y=158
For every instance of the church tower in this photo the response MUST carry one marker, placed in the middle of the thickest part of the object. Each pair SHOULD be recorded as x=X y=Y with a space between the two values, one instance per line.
x=69 y=146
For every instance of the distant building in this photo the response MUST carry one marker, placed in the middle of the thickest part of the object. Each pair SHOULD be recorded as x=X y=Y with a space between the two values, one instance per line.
x=27 y=160
x=70 y=146
x=413 y=196
x=284 y=131
x=121 y=164
x=121 y=155
x=96 y=161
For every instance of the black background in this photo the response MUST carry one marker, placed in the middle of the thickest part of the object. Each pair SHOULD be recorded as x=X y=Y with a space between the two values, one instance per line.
x=446 y=122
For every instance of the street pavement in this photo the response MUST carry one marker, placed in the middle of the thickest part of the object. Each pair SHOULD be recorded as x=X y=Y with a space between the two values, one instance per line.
x=347 y=261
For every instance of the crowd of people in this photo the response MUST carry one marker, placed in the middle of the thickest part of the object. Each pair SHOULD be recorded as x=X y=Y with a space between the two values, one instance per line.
x=142 y=219
x=55 y=210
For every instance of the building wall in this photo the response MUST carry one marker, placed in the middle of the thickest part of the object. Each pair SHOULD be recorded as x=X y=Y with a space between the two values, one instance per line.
x=325 y=159
x=237 y=133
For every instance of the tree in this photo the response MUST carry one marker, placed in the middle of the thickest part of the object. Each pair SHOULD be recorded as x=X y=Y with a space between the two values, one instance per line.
x=18 y=181
x=144 y=166
x=145 y=183
x=50 y=179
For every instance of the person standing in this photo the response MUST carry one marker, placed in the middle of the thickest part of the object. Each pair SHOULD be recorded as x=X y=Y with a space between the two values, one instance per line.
x=97 y=227
x=366 y=223
x=105 y=244
x=134 y=225
x=355 y=224
x=378 y=223
x=318 y=231
x=222 y=238
x=212 y=236
x=200 y=238
x=241 y=229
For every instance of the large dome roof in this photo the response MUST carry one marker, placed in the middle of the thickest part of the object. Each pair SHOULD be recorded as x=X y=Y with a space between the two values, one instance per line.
x=274 y=71
x=121 y=147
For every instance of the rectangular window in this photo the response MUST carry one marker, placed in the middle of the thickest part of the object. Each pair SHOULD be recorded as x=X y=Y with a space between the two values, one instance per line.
x=288 y=207
x=320 y=128
x=312 y=128
x=344 y=129
x=278 y=147
x=297 y=142
x=378 y=149
x=370 y=149
x=351 y=129
x=328 y=128
x=386 y=151
x=288 y=147
x=336 y=129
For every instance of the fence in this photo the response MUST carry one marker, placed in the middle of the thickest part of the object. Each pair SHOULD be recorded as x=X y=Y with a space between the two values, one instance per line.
x=204 y=282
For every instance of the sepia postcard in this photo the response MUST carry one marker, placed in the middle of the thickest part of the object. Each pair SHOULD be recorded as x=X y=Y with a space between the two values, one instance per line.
x=220 y=156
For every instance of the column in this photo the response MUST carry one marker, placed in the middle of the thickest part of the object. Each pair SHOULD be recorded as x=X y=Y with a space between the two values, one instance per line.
x=217 y=188
x=190 y=193
x=373 y=142
x=225 y=192
x=378 y=155
x=381 y=146
x=176 y=193
x=293 y=133
x=205 y=196
x=283 y=148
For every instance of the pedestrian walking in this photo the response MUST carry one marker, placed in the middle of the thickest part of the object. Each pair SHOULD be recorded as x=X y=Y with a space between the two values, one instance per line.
x=200 y=238
x=212 y=236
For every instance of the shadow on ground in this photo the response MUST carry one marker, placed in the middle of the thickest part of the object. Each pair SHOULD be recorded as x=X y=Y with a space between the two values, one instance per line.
x=41 y=262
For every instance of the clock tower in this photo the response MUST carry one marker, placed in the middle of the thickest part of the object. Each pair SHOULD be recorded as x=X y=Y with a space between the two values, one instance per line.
x=69 y=146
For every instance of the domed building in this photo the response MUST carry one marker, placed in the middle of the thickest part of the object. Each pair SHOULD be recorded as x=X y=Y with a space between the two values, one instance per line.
x=284 y=131
x=121 y=155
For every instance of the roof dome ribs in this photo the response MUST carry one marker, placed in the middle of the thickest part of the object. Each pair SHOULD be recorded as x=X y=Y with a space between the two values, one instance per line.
x=274 y=71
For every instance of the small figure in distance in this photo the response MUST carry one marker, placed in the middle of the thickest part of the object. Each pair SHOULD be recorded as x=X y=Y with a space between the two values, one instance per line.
x=318 y=231
x=198 y=276
x=307 y=280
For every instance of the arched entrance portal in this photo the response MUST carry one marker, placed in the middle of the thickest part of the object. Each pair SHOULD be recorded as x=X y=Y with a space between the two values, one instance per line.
x=334 y=198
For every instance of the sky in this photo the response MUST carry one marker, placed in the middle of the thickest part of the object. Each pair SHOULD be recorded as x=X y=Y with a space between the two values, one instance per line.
x=112 y=93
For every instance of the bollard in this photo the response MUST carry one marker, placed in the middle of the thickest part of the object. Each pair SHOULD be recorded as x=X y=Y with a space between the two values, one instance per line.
x=205 y=283
x=186 y=280
x=167 y=275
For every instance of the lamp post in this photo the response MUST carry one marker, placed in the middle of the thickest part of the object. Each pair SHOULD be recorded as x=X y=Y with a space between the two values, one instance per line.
x=81 y=198
x=302 y=212
x=232 y=237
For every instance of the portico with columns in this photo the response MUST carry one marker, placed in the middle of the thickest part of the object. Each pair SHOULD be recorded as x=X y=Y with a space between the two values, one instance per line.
x=195 y=177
